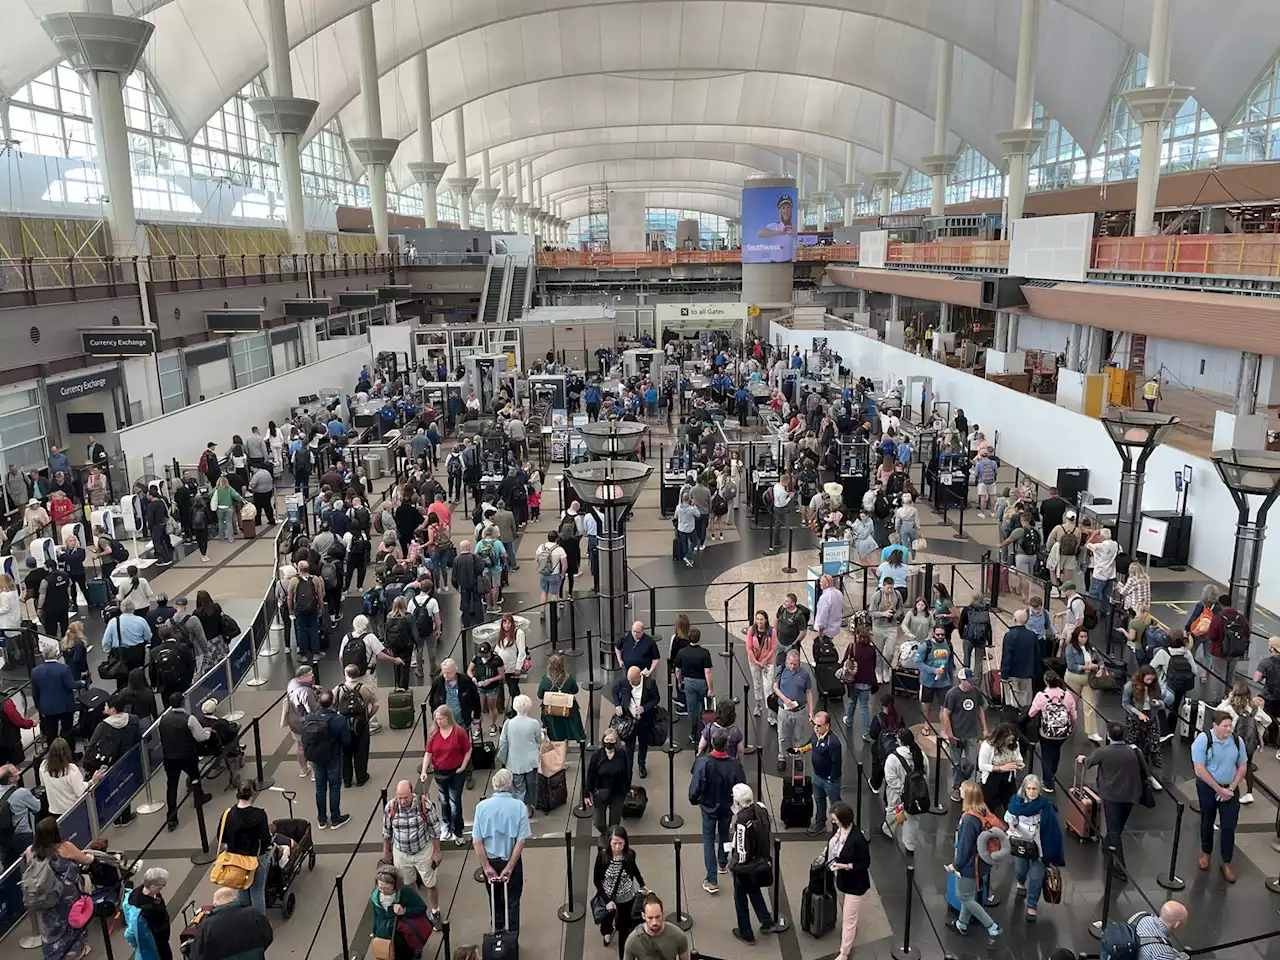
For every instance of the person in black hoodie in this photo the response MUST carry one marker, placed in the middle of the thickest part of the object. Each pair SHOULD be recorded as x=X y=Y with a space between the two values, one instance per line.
x=711 y=788
x=849 y=860
x=750 y=862
x=608 y=780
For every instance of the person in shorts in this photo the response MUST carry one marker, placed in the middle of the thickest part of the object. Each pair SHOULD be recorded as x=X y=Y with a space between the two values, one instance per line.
x=552 y=562
x=984 y=471
x=411 y=841
x=964 y=727
x=487 y=671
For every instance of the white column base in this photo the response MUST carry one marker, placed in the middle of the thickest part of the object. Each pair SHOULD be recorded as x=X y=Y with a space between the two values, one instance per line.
x=1011 y=361
x=1244 y=432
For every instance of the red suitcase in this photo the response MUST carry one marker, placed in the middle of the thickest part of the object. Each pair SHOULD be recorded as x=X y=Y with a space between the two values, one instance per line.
x=1082 y=807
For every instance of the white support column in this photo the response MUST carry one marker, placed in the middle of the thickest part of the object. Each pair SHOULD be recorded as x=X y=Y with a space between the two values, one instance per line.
x=373 y=150
x=462 y=185
x=428 y=171
x=105 y=49
x=487 y=194
x=1153 y=105
x=521 y=205
x=821 y=197
x=534 y=210
x=1021 y=142
x=848 y=190
x=887 y=178
x=940 y=164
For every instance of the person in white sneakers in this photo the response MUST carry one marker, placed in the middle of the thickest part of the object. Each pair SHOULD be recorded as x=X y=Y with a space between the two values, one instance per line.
x=362 y=648
x=1249 y=722
x=552 y=562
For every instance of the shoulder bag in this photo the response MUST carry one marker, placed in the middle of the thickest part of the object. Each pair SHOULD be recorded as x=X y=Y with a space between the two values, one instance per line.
x=234 y=870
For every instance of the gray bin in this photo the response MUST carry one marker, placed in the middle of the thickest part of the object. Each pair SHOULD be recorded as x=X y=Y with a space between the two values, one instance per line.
x=373 y=466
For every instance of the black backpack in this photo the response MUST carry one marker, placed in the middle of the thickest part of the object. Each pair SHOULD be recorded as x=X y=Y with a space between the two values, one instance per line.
x=1030 y=542
x=977 y=626
x=424 y=621
x=305 y=596
x=1180 y=675
x=355 y=652
x=316 y=740
x=118 y=552
x=329 y=573
x=302 y=460
x=915 y=796
x=170 y=671
x=1235 y=637
x=568 y=529
x=351 y=704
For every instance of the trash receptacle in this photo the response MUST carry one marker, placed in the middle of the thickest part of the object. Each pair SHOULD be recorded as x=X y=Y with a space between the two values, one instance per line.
x=373 y=466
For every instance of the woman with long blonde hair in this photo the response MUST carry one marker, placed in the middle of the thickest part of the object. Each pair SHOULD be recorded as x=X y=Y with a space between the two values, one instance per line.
x=969 y=868
x=75 y=652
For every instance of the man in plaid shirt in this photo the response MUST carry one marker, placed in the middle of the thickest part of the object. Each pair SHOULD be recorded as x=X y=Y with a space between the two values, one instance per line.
x=411 y=841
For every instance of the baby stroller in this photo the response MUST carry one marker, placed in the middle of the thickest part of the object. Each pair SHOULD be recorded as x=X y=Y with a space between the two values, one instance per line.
x=109 y=875
x=291 y=848
x=225 y=747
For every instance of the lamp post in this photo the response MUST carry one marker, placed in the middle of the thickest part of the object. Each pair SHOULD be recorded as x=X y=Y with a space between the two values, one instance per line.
x=1247 y=473
x=1136 y=436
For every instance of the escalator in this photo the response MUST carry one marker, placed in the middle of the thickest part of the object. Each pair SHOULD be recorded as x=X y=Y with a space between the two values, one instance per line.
x=516 y=303
x=493 y=290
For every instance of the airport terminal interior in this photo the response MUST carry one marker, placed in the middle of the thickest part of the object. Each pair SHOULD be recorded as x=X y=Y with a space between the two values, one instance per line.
x=913 y=360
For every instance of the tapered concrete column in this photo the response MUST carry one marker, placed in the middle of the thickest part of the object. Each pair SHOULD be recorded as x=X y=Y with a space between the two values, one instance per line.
x=521 y=205
x=105 y=49
x=428 y=171
x=944 y=326
x=504 y=201
x=1011 y=335
x=800 y=187
x=820 y=197
x=888 y=178
x=848 y=190
x=461 y=185
x=375 y=151
x=1000 y=341
x=488 y=193
x=940 y=164
x=1022 y=141
x=1073 y=347
x=1153 y=105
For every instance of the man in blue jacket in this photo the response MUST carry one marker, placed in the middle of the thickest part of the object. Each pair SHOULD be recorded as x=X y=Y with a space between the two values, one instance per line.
x=1020 y=661
x=54 y=687
x=825 y=747
x=711 y=788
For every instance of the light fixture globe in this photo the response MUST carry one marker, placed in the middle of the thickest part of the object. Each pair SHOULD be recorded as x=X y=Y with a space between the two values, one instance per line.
x=1138 y=430
x=601 y=483
x=611 y=440
x=1254 y=472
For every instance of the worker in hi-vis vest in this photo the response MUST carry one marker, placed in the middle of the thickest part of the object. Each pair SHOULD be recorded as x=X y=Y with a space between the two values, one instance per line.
x=1151 y=392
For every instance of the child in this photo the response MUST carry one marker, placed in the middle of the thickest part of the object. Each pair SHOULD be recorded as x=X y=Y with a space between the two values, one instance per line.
x=535 y=495
x=487 y=671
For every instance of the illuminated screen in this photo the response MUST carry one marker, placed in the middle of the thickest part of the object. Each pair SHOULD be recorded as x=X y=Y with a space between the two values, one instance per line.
x=768 y=224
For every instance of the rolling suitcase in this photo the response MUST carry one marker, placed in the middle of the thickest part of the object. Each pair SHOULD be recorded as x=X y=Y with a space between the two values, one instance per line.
x=553 y=791
x=635 y=803
x=829 y=686
x=906 y=682
x=1193 y=718
x=499 y=943
x=1082 y=807
x=95 y=592
x=484 y=753
x=92 y=703
x=400 y=709
x=797 y=797
x=818 y=900
x=708 y=710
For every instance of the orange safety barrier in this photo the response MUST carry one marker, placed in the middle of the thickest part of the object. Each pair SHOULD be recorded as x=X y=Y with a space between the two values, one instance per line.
x=1244 y=256
x=951 y=253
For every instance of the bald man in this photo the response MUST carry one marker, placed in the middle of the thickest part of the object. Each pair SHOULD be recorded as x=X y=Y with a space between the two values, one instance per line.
x=637 y=649
x=636 y=696
x=411 y=841
x=231 y=929
x=1156 y=932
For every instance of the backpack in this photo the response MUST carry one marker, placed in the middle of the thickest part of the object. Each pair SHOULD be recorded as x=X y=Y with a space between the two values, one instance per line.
x=1155 y=637
x=103 y=750
x=546 y=560
x=7 y=821
x=1090 y=618
x=443 y=540
x=1120 y=941
x=329 y=573
x=167 y=661
x=719 y=505
x=356 y=653
x=199 y=518
x=977 y=626
x=371 y=603
x=1030 y=542
x=568 y=529
x=1235 y=637
x=1180 y=675
x=1055 y=722
x=453 y=466
x=487 y=554
x=1200 y=626
x=305 y=596
x=360 y=519
x=39 y=884
x=1246 y=728
x=316 y=746
x=302 y=460
x=424 y=620
x=915 y=796
x=1068 y=544
x=351 y=705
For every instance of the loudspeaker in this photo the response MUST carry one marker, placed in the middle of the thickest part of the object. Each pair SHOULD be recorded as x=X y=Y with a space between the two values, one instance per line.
x=1001 y=293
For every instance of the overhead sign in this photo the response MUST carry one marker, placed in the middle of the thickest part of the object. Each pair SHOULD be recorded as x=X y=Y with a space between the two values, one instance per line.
x=672 y=314
x=395 y=291
x=233 y=321
x=307 y=307
x=82 y=385
x=118 y=342
x=358 y=298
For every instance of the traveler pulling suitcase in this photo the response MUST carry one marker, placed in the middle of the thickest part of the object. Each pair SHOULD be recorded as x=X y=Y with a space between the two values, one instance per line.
x=1082 y=807
x=400 y=709
x=500 y=944
x=818 y=900
x=797 y=797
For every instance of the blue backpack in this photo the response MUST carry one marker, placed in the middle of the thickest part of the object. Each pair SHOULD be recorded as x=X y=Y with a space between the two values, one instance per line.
x=1120 y=941
x=371 y=603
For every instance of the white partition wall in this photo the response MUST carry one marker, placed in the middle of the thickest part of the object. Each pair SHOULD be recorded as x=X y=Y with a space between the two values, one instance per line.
x=1052 y=248
x=183 y=434
x=873 y=248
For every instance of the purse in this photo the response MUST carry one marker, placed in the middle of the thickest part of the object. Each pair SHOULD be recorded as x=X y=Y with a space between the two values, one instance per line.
x=600 y=903
x=1051 y=892
x=81 y=912
x=624 y=727
x=1024 y=848
x=552 y=756
x=234 y=870
x=415 y=931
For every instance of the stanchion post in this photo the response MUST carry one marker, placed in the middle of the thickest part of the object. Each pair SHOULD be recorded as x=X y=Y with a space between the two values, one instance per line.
x=151 y=806
x=590 y=741
x=582 y=811
x=592 y=683
x=448 y=942
x=760 y=774
x=677 y=916
x=906 y=951
x=672 y=746
x=748 y=748
x=857 y=808
x=780 y=923
x=256 y=680
x=569 y=912
x=204 y=855
x=936 y=808
x=1099 y=927
x=106 y=937
x=342 y=921
x=727 y=651
x=1173 y=881
x=790 y=567
x=555 y=626
x=262 y=781
x=672 y=820
x=233 y=715
x=731 y=698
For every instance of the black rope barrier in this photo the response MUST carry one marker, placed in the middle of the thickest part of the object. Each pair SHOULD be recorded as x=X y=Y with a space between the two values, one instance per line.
x=1173 y=881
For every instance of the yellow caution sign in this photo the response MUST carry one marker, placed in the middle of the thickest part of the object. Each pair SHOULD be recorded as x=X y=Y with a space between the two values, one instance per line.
x=753 y=311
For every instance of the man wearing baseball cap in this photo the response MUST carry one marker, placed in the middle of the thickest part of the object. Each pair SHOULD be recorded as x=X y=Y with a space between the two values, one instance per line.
x=964 y=726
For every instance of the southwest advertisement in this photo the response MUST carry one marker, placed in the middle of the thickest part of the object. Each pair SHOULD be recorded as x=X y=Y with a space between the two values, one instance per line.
x=768 y=224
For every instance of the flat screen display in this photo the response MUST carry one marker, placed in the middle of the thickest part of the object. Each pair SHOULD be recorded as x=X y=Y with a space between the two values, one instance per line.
x=86 y=423
x=768 y=224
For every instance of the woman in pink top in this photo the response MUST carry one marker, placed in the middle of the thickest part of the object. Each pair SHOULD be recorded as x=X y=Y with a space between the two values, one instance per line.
x=1056 y=708
x=762 y=645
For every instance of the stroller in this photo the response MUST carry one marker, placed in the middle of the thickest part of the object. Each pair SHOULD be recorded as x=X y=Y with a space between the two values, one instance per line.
x=224 y=747
x=110 y=875
x=291 y=847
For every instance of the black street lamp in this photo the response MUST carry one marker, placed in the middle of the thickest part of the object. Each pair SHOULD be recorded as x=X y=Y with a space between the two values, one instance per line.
x=1247 y=473
x=1136 y=436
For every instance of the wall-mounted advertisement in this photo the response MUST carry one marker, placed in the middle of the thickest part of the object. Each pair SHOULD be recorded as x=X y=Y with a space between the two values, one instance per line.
x=768 y=224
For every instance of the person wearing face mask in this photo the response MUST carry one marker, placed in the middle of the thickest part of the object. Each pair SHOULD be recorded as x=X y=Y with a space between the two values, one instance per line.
x=608 y=780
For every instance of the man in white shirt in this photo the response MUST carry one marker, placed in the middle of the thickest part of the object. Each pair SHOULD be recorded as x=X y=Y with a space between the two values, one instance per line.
x=782 y=498
x=349 y=653
x=1105 y=551
x=591 y=530
x=552 y=562
x=421 y=595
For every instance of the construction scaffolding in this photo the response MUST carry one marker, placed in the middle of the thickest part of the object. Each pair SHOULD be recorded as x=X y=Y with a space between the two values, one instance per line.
x=598 y=218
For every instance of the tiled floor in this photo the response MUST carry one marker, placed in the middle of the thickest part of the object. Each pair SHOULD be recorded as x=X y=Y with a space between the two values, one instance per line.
x=241 y=572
